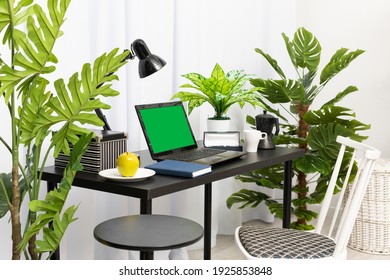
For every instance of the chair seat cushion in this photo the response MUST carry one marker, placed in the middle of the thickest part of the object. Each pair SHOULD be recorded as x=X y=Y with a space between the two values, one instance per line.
x=269 y=242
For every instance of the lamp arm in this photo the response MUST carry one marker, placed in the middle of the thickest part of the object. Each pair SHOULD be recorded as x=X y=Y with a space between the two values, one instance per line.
x=101 y=116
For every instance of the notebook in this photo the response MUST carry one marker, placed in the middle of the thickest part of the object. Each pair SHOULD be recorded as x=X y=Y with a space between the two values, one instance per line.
x=168 y=135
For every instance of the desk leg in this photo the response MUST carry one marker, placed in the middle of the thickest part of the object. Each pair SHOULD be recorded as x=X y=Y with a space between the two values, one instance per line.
x=287 y=194
x=56 y=255
x=146 y=208
x=207 y=222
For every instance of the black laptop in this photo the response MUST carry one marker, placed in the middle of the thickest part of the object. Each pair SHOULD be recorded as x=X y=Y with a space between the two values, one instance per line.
x=169 y=135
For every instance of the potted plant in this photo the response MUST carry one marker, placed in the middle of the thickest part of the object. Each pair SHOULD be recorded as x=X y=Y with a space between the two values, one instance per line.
x=44 y=120
x=221 y=91
x=315 y=131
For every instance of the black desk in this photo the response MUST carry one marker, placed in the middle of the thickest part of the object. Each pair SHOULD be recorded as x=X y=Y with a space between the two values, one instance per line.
x=159 y=185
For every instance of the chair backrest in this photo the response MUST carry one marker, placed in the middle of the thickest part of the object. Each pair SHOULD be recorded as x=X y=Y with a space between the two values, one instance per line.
x=351 y=194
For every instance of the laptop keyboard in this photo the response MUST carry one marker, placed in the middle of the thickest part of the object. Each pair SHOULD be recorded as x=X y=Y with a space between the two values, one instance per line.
x=195 y=154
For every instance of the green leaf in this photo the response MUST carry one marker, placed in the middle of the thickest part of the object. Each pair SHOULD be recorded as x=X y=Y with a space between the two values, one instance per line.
x=251 y=121
x=49 y=210
x=275 y=208
x=283 y=139
x=5 y=193
x=272 y=62
x=279 y=91
x=290 y=50
x=340 y=96
x=301 y=213
x=30 y=110
x=329 y=114
x=339 y=61
x=196 y=78
x=307 y=49
x=322 y=140
x=247 y=198
x=311 y=163
x=74 y=103
x=35 y=48
x=52 y=237
x=16 y=14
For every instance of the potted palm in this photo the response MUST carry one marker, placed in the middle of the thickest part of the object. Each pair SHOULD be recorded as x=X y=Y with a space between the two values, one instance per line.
x=44 y=120
x=315 y=131
x=221 y=91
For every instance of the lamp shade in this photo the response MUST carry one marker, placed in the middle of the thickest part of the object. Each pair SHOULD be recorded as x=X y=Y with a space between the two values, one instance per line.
x=148 y=63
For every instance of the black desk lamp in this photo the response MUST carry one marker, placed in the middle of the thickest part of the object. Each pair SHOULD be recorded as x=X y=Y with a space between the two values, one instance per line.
x=148 y=64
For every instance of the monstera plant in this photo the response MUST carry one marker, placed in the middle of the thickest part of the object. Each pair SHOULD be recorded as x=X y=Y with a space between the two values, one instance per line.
x=45 y=118
x=314 y=130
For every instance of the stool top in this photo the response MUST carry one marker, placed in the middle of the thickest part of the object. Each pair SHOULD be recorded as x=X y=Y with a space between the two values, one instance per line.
x=148 y=232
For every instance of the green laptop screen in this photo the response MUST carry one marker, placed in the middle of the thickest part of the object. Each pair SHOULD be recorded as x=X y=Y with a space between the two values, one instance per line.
x=166 y=128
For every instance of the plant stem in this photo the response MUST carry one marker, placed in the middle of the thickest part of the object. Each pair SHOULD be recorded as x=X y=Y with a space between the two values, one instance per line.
x=16 y=234
x=302 y=177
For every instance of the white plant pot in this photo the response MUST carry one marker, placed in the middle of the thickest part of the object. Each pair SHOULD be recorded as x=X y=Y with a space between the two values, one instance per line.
x=218 y=125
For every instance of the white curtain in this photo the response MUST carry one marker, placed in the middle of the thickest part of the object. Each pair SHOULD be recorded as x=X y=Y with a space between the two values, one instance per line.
x=191 y=36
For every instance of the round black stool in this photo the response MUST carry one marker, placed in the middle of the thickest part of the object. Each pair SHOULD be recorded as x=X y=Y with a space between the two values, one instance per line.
x=148 y=233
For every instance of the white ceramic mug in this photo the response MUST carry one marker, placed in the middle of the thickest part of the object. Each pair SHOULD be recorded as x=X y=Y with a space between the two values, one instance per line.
x=252 y=138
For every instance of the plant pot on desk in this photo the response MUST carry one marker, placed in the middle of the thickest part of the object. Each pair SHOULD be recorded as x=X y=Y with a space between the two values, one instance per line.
x=218 y=124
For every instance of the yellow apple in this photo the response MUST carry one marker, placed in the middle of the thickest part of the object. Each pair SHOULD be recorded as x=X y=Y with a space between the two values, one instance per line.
x=127 y=164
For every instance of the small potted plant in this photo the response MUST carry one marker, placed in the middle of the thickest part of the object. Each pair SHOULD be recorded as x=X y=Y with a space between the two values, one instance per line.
x=221 y=91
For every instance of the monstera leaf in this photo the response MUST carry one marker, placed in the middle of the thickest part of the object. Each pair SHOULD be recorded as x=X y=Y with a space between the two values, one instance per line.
x=279 y=91
x=51 y=208
x=304 y=49
x=339 y=61
x=73 y=105
x=18 y=16
x=35 y=48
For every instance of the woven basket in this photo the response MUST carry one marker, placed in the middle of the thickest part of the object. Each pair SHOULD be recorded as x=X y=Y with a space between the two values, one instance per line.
x=371 y=232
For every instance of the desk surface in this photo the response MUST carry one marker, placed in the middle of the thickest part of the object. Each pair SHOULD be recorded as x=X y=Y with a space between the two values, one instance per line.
x=160 y=185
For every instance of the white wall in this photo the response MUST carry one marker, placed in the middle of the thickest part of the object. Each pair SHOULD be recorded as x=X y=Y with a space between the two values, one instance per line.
x=356 y=24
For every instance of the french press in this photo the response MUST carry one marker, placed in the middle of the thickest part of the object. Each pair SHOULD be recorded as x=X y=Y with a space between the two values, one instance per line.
x=266 y=123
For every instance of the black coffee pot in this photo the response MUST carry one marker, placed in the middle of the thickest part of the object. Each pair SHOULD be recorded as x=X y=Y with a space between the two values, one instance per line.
x=266 y=123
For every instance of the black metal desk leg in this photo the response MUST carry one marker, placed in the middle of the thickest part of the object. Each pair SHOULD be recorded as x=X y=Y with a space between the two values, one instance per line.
x=207 y=222
x=146 y=208
x=287 y=194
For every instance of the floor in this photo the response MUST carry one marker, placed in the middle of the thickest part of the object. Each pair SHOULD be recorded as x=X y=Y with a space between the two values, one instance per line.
x=225 y=249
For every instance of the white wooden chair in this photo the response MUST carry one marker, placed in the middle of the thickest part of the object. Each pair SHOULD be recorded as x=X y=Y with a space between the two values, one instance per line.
x=268 y=242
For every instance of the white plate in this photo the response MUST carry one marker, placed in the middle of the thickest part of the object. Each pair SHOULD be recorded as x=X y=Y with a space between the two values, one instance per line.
x=114 y=175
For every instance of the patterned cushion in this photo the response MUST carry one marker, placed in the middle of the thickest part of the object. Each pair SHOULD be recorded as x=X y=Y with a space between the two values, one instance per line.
x=267 y=242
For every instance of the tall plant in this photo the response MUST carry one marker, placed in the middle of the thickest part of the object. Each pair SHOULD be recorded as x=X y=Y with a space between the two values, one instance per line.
x=315 y=131
x=43 y=120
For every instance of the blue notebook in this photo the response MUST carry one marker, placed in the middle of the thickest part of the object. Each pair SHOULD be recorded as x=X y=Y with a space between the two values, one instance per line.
x=179 y=168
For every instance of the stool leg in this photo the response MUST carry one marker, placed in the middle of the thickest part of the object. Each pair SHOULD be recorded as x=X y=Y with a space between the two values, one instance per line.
x=146 y=255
